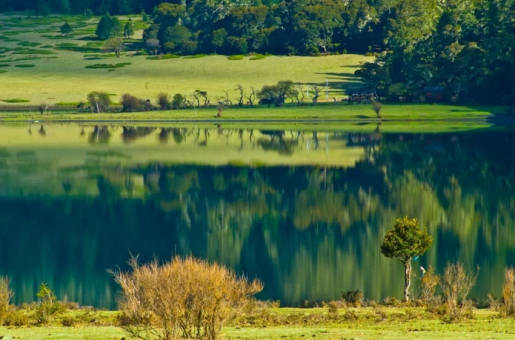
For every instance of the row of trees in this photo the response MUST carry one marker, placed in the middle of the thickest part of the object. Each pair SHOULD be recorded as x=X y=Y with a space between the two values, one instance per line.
x=269 y=95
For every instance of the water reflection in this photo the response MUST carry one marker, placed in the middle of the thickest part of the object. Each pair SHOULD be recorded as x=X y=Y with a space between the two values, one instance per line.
x=305 y=212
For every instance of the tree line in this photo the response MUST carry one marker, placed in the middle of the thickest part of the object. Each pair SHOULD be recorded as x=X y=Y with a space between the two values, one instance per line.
x=459 y=51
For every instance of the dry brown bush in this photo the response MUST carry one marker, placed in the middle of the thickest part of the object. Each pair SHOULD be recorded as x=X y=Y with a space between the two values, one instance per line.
x=6 y=294
x=428 y=286
x=456 y=284
x=186 y=297
x=508 y=292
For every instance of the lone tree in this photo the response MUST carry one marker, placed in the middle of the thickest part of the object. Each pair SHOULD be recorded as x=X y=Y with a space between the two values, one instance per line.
x=99 y=101
x=277 y=94
x=115 y=45
x=403 y=242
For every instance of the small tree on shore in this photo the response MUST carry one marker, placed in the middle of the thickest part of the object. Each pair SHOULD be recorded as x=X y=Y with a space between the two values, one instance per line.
x=377 y=106
x=403 y=242
x=163 y=100
x=178 y=101
x=99 y=101
x=278 y=93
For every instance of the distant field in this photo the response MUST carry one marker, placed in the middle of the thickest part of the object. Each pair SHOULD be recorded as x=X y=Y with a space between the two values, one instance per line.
x=39 y=65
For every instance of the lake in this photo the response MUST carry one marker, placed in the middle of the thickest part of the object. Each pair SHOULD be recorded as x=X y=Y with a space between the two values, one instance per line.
x=304 y=210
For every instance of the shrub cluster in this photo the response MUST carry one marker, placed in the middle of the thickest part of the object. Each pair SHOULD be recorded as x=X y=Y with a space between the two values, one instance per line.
x=185 y=297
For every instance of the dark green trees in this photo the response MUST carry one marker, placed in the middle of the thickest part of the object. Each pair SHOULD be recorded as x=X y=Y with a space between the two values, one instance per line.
x=108 y=27
x=403 y=242
x=66 y=29
x=466 y=49
x=278 y=93
x=128 y=29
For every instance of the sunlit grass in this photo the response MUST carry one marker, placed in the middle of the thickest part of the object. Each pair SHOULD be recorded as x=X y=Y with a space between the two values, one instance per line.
x=67 y=77
x=486 y=325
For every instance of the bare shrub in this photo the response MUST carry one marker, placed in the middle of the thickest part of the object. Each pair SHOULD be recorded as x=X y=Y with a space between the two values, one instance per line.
x=186 y=297
x=332 y=309
x=251 y=96
x=353 y=298
x=428 y=286
x=508 y=292
x=392 y=301
x=6 y=294
x=241 y=92
x=456 y=284
x=16 y=318
x=493 y=302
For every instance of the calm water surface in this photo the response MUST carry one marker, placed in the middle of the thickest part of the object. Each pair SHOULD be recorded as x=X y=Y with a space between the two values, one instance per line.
x=304 y=211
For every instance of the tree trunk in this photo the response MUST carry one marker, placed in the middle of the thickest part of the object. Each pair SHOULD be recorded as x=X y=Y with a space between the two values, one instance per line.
x=407 y=279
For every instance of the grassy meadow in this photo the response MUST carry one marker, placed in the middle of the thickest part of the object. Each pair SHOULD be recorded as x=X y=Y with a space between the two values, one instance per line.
x=295 y=324
x=40 y=65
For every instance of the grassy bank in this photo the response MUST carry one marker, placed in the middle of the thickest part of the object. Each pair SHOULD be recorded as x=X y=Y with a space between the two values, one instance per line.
x=334 y=111
x=294 y=323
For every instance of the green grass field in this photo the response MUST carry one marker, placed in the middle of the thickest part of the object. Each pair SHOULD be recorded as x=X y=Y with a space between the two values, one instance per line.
x=328 y=111
x=395 y=118
x=40 y=66
x=367 y=324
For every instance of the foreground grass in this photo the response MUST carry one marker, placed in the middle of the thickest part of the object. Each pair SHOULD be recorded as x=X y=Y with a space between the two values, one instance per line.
x=365 y=323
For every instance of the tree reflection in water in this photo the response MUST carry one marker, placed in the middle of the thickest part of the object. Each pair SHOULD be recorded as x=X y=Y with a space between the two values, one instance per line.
x=308 y=232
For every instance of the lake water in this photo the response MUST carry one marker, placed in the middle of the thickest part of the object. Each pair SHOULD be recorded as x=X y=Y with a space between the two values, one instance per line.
x=304 y=211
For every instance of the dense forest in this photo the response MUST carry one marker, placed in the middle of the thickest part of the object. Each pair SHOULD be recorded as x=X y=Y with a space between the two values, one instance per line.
x=456 y=50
